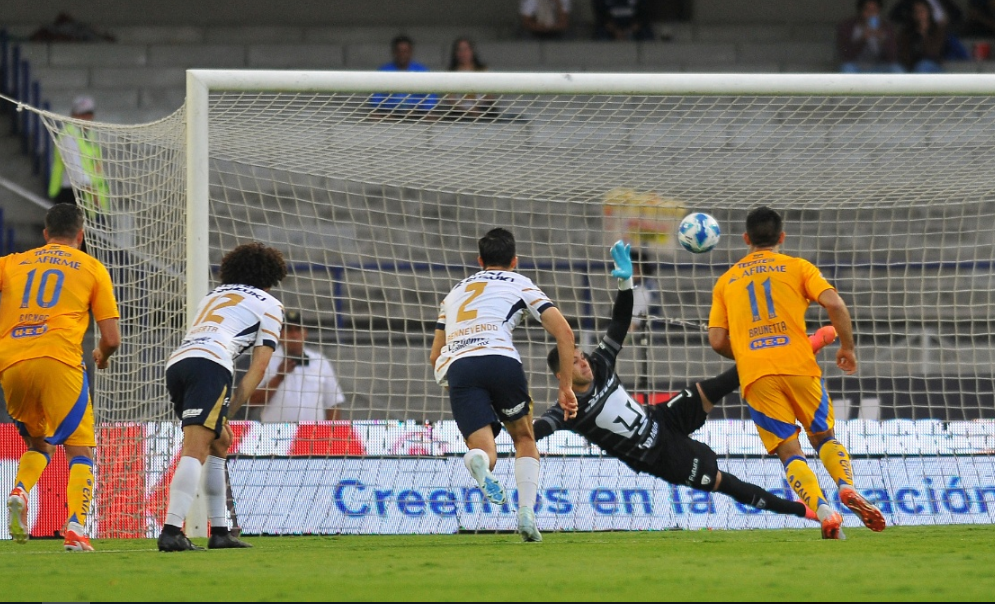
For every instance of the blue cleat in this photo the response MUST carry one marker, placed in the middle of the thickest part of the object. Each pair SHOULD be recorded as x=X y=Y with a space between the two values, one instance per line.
x=490 y=485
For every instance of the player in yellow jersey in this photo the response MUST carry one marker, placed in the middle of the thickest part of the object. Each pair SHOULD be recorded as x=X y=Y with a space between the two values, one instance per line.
x=48 y=294
x=758 y=319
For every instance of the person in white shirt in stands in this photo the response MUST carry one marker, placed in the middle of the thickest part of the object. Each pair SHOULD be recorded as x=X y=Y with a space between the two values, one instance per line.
x=545 y=19
x=299 y=384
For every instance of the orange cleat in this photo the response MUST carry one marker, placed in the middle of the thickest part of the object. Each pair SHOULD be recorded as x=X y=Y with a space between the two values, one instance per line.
x=811 y=515
x=832 y=526
x=869 y=514
x=76 y=542
x=824 y=336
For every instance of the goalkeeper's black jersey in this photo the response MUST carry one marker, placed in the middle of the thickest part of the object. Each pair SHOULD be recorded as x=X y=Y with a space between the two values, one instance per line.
x=607 y=416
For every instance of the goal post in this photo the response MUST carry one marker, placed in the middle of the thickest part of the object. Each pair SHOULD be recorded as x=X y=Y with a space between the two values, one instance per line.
x=885 y=181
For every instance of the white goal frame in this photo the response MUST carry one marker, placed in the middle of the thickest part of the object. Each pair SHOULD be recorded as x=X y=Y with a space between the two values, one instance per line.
x=200 y=83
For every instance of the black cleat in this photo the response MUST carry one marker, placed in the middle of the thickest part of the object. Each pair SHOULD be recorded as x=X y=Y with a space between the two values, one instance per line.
x=176 y=543
x=227 y=541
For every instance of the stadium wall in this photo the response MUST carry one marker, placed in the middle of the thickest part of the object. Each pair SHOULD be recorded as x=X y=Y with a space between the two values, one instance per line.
x=386 y=12
x=258 y=12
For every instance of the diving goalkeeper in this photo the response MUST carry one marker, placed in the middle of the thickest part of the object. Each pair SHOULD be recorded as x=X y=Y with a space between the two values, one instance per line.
x=655 y=439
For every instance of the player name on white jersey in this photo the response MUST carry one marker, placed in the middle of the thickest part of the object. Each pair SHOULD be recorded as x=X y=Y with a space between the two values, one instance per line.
x=229 y=320
x=481 y=312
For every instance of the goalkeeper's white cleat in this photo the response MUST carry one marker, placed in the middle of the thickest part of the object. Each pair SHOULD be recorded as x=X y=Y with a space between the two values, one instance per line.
x=488 y=483
x=527 y=525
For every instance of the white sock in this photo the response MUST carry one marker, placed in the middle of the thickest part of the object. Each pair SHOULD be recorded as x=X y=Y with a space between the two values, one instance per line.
x=468 y=457
x=214 y=489
x=182 y=490
x=527 y=478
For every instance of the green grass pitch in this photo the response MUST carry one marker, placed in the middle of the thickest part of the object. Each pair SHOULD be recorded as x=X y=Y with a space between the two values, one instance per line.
x=935 y=563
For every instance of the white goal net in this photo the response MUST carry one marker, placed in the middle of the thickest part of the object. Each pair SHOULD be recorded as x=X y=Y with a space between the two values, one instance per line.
x=886 y=183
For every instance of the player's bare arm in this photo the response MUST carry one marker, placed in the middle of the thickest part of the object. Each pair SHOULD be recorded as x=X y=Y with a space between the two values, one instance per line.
x=839 y=316
x=437 y=344
x=261 y=356
x=718 y=338
x=262 y=395
x=556 y=324
x=110 y=341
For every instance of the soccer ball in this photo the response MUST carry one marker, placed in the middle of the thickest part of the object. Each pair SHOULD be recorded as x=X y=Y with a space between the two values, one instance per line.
x=698 y=232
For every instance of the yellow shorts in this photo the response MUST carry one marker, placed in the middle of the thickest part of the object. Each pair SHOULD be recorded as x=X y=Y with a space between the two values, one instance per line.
x=50 y=399
x=779 y=402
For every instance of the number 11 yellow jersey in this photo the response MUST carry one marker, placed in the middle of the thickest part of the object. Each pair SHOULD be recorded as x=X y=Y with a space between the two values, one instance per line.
x=761 y=301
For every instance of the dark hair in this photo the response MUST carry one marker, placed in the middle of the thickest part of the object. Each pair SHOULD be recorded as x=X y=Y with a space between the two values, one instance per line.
x=253 y=264
x=477 y=63
x=861 y=3
x=929 y=11
x=401 y=39
x=764 y=226
x=64 y=220
x=497 y=247
x=553 y=359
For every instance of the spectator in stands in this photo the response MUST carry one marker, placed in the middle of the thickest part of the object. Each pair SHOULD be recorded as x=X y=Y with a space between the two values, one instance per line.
x=463 y=57
x=621 y=20
x=545 y=19
x=300 y=384
x=866 y=43
x=403 y=104
x=921 y=42
x=77 y=154
x=980 y=19
x=947 y=14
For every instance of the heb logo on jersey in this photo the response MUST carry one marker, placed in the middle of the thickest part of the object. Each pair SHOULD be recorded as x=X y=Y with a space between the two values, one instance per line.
x=769 y=342
x=28 y=331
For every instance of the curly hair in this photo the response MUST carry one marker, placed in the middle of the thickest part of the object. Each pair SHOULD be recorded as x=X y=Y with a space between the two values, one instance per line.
x=253 y=264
